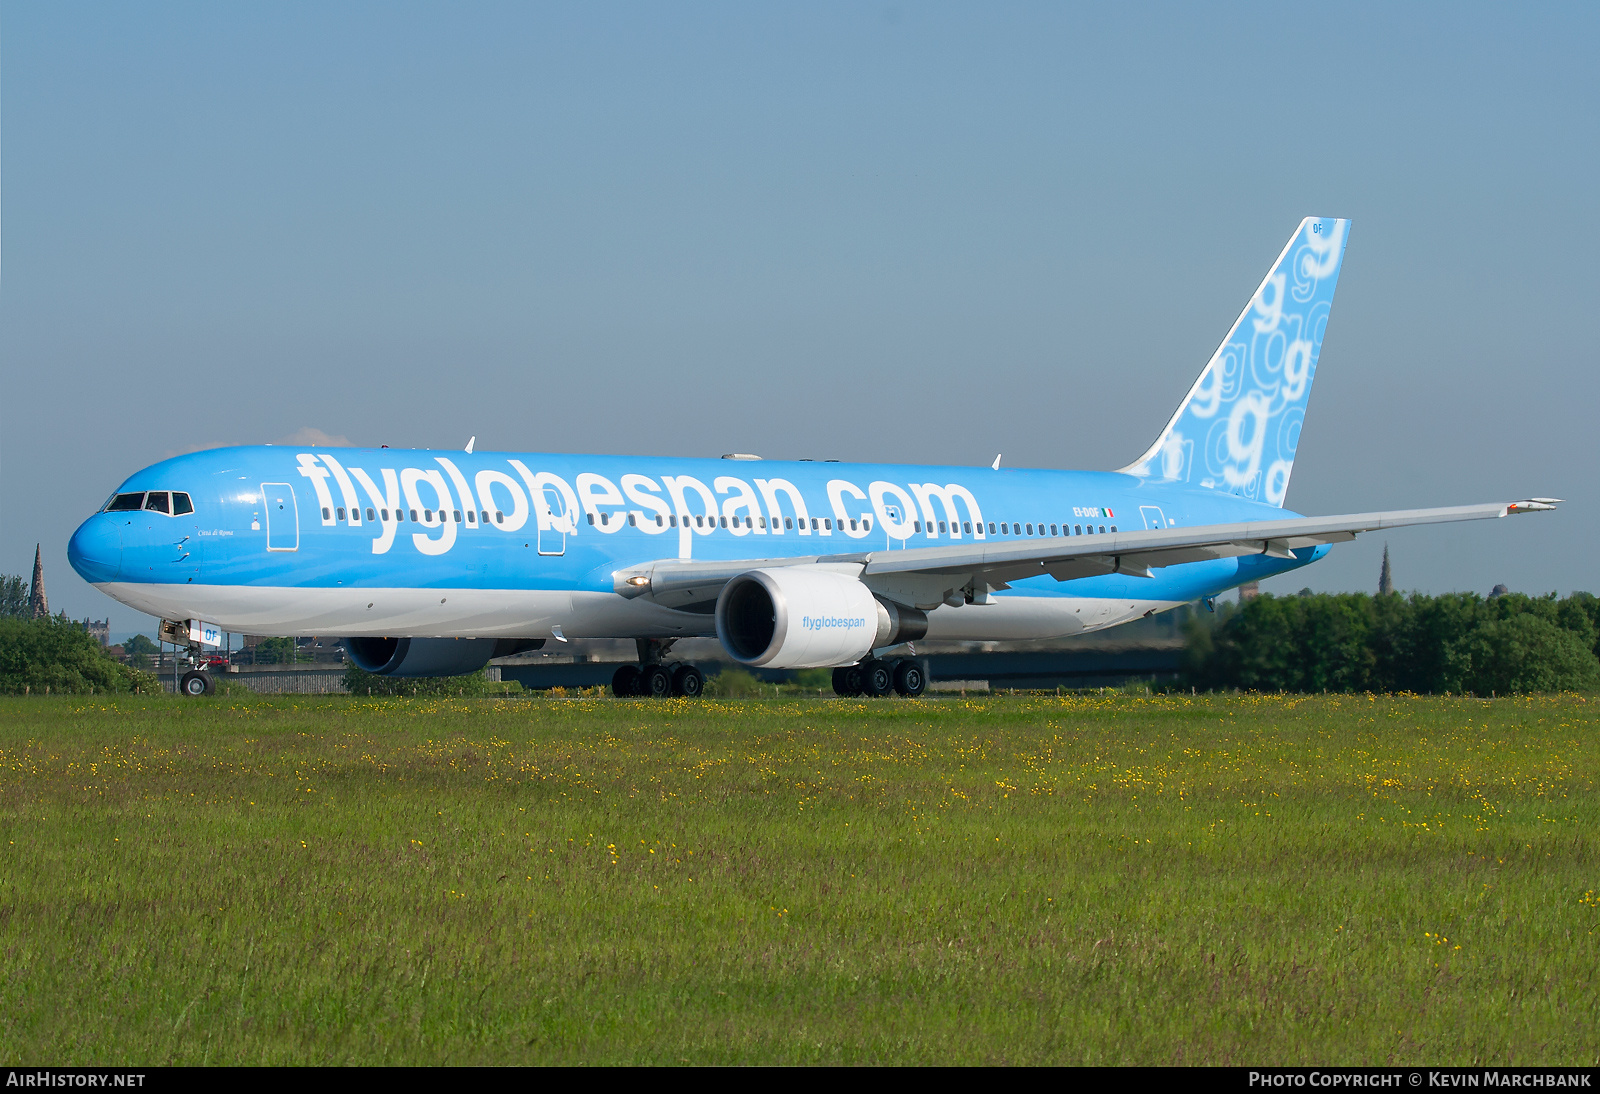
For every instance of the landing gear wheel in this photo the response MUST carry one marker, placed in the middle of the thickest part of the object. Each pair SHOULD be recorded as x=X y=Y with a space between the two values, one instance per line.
x=847 y=681
x=877 y=678
x=196 y=682
x=688 y=682
x=655 y=682
x=625 y=682
x=909 y=679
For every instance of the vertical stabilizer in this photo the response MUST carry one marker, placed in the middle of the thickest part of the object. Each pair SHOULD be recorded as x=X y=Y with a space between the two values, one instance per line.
x=1237 y=429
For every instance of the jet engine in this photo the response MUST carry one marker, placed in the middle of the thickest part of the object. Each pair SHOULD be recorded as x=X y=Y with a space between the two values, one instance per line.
x=802 y=617
x=431 y=656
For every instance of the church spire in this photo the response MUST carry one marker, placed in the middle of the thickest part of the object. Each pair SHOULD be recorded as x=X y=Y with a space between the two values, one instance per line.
x=1385 y=580
x=38 y=603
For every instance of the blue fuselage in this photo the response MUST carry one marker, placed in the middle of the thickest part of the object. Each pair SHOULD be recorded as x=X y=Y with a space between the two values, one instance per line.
x=425 y=543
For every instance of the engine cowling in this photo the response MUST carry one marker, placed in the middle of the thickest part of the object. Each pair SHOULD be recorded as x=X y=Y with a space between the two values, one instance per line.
x=801 y=617
x=431 y=656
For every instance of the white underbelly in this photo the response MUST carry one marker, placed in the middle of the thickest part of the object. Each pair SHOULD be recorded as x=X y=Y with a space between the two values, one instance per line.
x=1019 y=618
x=535 y=613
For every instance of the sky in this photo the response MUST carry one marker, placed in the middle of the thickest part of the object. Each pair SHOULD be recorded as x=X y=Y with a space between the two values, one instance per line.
x=923 y=233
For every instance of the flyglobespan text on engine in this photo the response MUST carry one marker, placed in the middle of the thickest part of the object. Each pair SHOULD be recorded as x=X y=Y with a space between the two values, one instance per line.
x=828 y=622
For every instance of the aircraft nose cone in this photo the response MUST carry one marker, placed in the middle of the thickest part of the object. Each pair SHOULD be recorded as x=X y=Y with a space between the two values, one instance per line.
x=95 y=550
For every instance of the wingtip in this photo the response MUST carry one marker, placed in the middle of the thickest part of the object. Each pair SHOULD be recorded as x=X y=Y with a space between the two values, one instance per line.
x=1533 y=505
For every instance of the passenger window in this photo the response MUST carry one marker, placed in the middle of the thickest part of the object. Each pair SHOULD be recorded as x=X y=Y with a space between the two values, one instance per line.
x=369 y=514
x=591 y=518
x=866 y=525
x=427 y=516
x=124 y=503
x=157 y=502
x=1113 y=527
x=456 y=513
x=472 y=518
x=413 y=514
x=672 y=521
x=699 y=520
x=340 y=511
x=499 y=517
x=813 y=524
x=966 y=526
x=853 y=526
x=385 y=513
x=941 y=526
x=325 y=513
x=181 y=505
x=991 y=527
x=1102 y=529
x=724 y=522
x=631 y=522
x=788 y=522
x=1030 y=529
x=659 y=521
x=483 y=516
x=1052 y=529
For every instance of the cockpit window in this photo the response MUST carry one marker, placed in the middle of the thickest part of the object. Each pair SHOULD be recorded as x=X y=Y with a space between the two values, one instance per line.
x=181 y=504
x=124 y=503
x=158 y=501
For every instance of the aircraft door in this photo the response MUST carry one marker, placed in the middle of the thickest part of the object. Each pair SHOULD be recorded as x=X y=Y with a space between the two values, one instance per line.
x=895 y=518
x=553 y=539
x=282 y=516
x=1153 y=516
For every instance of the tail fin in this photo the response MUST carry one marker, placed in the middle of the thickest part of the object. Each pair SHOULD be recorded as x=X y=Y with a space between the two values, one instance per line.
x=1237 y=429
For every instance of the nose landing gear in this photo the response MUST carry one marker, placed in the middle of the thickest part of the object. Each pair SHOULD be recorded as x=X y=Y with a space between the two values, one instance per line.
x=196 y=682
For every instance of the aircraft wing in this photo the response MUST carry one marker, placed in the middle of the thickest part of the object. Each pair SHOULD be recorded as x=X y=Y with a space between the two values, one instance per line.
x=926 y=576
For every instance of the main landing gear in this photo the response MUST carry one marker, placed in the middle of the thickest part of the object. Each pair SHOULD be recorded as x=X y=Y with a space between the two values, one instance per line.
x=651 y=679
x=877 y=677
x=658 y=681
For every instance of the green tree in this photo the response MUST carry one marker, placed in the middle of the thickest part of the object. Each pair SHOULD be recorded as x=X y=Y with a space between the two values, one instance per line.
x=14 y=597
x=1458 y=643
x=1580 y=614
x=277 y=651
x=1527 y=652
x=139 y=650
x=736 y=683
x=55 y=656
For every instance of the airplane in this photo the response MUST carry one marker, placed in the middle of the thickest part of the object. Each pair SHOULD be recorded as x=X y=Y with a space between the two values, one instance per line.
x=430 y=563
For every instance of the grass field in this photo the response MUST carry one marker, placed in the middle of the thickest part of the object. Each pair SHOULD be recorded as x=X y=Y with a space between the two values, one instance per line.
x=1020 y=880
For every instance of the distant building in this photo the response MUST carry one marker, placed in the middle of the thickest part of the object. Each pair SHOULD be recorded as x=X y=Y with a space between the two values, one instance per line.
x=1498 y=590
x=38 y=603
x=1249 y=591
x=99 y=629
x=1385 y=579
